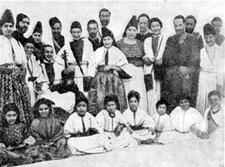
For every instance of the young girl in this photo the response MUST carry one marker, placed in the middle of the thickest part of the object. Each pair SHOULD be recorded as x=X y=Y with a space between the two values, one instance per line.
x=82 y=131
x=108 y=61
x=47 y=132
x=136 y=118
x=12 y=136
x=114 y=125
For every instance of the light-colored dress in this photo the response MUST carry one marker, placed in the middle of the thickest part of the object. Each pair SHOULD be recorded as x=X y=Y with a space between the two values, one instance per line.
x=134 y=54
x=154 y=48
x=162 y=121
x=86 y=144
x=211 y=74
x=85 y=61
x=109 y=125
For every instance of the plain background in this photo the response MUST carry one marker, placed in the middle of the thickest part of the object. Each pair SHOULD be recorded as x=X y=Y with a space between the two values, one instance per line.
x=121 y=12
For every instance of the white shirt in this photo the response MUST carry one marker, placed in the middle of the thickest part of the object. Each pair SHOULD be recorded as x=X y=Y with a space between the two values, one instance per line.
x=162 y=121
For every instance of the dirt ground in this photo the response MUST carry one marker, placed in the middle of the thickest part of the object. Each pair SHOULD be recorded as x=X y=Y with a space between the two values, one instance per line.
x=193 y=153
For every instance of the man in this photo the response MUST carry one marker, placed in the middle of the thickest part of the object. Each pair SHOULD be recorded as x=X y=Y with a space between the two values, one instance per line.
x=92 y=28
x=143 y=24
x=217 y=24
x=57 y=38
x=189 y=28
x=22 y=23
x=180 y=60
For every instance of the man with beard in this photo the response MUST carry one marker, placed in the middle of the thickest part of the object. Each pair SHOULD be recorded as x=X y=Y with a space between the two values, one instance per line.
x=92 y=28
x=22 y=23
x=181 y=59
x=189 y=28
x=57 y=38
x=143 y=24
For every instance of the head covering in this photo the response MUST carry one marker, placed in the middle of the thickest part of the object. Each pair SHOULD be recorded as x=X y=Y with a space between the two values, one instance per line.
x=54 y=20
x=106 y=32
x=132 y=23
x=10 y=107
x=68 y=73
x=48 y=102
x=7 y=17
x=29 y=40
x=76 y=24
x=80 y=97
x=38 y=28
x=19 y=18
x=209 y=29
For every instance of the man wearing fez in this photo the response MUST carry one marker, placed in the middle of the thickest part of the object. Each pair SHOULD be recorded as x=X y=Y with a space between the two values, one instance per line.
x=22 y=23
x=57 y=38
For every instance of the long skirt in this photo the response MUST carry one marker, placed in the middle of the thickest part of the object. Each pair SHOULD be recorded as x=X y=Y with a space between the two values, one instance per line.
x=207 y=83
x=137 y=83
x=105 y=83
x=13 y=89
x=153 y=95
x=88 y=144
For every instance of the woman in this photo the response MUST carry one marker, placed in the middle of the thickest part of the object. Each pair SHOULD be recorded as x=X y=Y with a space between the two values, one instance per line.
x=82 y=131
x=134 y=52
x=212 y=63
x=154 y=47
x=107 y=64
x=37 y=40
x=12 y=70
x=214 y=115
x=79 y=51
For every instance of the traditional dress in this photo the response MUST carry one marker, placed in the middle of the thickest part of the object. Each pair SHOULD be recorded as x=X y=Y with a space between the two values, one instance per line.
x=181 y=50
x=79 y=52
x=58 y=43
x=95 y=43
x=162 y=121
x=106 y=82
x=109 y=124
x=182 y=121
x=19 y=37
x=134 y=54
x=211 y=74
x=81 y=141
x=34 y=69
x=50 y=143
x=154 y=48
x=12 y=78
x=141 y=37
x=13 y=137
x=52 y=74
x=214 y=119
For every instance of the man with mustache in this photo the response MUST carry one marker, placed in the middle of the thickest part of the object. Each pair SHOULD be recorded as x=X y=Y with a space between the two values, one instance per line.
x=92 y=28
x=22 y=23
x=57 y=38
x=181 y=59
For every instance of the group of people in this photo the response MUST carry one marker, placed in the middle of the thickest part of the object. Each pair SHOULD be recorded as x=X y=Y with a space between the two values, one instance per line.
x=96 y=94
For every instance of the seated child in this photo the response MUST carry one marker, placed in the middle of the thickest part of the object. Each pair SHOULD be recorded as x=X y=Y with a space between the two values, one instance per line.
x=82 y=131
x=214 y=115
x=136 y=118
x=48 y=133
x=161 y=118
x=12 y=136
x=114 y=125
x=185 y=118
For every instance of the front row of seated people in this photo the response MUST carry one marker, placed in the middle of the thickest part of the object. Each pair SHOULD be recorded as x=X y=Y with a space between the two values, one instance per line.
x=109 y=130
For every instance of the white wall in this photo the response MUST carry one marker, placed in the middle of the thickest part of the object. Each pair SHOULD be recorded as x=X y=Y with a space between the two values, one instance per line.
x=69 y=11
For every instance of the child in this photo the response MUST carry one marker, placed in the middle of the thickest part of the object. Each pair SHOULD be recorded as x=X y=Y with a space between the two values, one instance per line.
x=162 y=120
x=185 y=118
x=214 y=115
x=12 y=137
x=114 y=125
x=136 y=118
x=82 y=131
x=48 y=133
